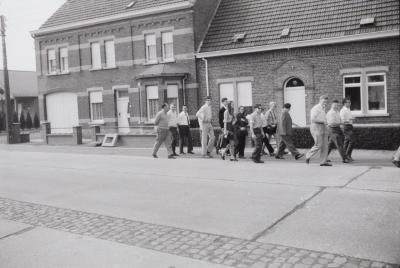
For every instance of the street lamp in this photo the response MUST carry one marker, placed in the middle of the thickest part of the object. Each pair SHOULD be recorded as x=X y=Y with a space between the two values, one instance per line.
x=10 y=136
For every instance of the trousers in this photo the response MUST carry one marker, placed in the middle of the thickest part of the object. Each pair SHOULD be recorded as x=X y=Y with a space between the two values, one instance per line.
x=185 y=135
x=336 y=138
x=207 y=133
x=175 y=138
x=258 y=141
x=320 y=136
x=286 y=141
x=163 y=136
x=348 y=140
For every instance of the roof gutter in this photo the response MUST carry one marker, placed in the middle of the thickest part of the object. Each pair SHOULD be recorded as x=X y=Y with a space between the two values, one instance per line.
x=307 y=43
x=127 y=15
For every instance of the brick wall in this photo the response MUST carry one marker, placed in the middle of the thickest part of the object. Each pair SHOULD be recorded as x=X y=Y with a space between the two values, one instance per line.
x=318 y=67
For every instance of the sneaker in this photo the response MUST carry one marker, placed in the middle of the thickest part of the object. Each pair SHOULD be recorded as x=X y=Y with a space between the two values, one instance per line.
x=171 y=156
x=325 y=165
x=297 y=157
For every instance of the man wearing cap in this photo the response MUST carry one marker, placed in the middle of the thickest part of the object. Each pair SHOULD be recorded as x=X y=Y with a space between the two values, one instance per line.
x=319 y=132
x=257 y=133
x=204 y=115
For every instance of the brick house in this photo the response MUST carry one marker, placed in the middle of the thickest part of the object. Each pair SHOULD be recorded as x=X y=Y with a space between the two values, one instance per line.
x=114 y=62
x=257 y=51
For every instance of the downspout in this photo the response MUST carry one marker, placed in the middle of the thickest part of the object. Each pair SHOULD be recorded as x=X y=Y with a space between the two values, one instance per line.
x=184 y=89
x=140 y=103
x=207 y=84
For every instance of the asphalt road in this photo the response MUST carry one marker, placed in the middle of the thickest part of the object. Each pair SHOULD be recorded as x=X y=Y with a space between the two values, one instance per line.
x=64 y=206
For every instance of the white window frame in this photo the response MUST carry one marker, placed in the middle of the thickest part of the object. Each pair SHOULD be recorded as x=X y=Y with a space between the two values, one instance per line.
x=148 y=46
x=173 y=97
x=165 y=42
x=96 y=90
x=363 y=74
x=384 y=83
x=234 y=84
x=51 y=60
x=109 y=54
x=97 y=55
x=151 y=119
x=360 y=112
x=64 y=61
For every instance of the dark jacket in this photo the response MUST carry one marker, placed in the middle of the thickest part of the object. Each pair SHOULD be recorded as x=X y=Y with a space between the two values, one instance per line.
x=285 y=124
x=241 y=122
x=221 y=116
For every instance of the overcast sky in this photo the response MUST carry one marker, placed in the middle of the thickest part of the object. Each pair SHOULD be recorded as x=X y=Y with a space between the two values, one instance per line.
x=24 y=16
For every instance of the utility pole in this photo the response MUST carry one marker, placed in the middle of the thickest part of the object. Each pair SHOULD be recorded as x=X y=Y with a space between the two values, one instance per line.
x=6 y=81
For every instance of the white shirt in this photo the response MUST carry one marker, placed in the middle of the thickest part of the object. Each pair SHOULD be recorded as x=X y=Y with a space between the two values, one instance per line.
x=264 y=120
x=183 y=119
x=204 y=114
x=333 y=118
x=318 y=114
x=346 y=115
x=173 y=118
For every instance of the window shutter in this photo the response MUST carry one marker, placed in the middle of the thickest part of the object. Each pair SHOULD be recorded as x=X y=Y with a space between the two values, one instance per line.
x=172 y=91
x=110 y=53
x=245 y=97
x=152 y=92
x=96 y=97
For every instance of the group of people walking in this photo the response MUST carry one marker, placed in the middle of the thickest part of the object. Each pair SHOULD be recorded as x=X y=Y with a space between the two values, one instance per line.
x=328 y=129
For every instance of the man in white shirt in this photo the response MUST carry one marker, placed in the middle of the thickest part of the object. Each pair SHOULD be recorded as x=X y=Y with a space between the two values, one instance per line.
x=173 y=127
x=336 y=136
x=204 y=114
x=184 y=131
x=319 y=132
x=347 y=119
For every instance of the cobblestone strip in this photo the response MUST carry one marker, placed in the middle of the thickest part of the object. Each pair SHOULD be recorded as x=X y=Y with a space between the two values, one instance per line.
x=212 y=248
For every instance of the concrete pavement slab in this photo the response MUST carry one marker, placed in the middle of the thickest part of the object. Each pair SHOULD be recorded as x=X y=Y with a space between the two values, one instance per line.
x=351 y=222
x=11 y=227
x=382 y=179
x=42 y=248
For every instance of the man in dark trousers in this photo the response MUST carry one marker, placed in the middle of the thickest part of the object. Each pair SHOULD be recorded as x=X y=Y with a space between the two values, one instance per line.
x=241 y=126
x=184 y=131
x=285 y=131
x=257 y=133
x=220 y=142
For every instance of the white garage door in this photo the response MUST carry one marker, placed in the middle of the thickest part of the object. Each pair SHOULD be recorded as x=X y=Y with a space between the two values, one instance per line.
x=62 y=111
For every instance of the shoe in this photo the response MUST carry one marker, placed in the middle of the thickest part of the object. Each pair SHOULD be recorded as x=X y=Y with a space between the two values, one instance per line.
x=222 y=157
x=234 y=159
x=328 y=160
x=242 y=157
x=257 y=161
x=346 y=161
x=285 y=152
x=209 y=155
x=325 y=165
x=171 y=156
x=307 y=160
x=350 y=159
x=190 y=152
x=175 y=154
x=264 y=153
x=181 y=153
x=272 y=154
x=297 y=157
x=279 y=157
x=155 y=156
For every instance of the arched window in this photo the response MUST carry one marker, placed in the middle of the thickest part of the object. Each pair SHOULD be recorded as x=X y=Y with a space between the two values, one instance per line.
x=294 y=82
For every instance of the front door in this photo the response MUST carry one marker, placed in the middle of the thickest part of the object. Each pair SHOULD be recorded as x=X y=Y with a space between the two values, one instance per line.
x=296 y=96
x=62 y=111
x=123 y=112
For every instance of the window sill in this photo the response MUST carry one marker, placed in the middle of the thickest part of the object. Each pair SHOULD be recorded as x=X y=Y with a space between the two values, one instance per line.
x=168 y=61
x=52 y=74
x=98 y=122
x=64 y=73
x=110 y=68
x=371 y=115
x=94 y=70
x=150 y=62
